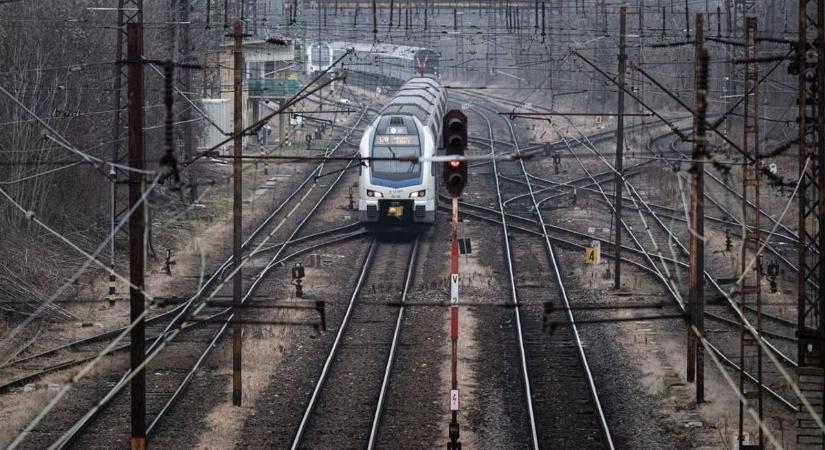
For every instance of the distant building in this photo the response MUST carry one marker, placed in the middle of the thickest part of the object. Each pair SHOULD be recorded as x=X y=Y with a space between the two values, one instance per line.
x=269 y=78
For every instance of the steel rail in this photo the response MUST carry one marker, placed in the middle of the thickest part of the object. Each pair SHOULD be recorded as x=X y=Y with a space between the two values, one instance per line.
x=589 y=188
x=787 y=404
x=173 y=329
x=115 y=332
x=213 y=343
x=791 y=235
x=299 y=434
x=768 y=247
x=396 y=337
x=250 y=292
x=248 y=242
x=676 y=297
x=589 y=144
x=632 y=236
x=738 y=196
x=215 y=275
x=634 y=193
x=514 y=295
x=551 y=254
x=604 y=241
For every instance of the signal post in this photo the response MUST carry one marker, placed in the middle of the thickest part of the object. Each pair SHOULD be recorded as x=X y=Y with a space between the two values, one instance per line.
x=454 y=141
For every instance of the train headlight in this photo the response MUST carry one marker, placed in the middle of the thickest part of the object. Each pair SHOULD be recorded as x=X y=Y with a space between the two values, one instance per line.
x=418 y=194
x=374 y=194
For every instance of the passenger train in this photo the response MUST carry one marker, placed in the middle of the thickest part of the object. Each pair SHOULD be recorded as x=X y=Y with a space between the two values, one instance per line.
x=319 y=57
x=375 y=63
x=401 y=194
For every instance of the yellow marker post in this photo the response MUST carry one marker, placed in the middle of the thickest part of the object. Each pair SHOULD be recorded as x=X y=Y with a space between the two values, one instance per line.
x=592 y=254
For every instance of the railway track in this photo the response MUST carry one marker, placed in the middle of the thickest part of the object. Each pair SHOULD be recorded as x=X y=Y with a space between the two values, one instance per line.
x=347 y=402
x=663 y=236
x=294 y=213
x=578 y=241
x=30 y=368
x=563 y=404
x=778 y=327
x=36 y=363
x=648 y=264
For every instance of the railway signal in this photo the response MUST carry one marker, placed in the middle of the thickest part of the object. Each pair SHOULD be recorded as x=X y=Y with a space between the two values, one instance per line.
x=297 y=278
x=454 y=139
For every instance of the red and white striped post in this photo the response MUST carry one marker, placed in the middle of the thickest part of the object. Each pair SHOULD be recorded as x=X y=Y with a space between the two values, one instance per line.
x=454 y=444
x=454 y=140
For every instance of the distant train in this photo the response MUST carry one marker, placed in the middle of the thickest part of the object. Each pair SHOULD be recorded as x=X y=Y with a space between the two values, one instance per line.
x=401 y=194
x=387 y=64
x=319 y=57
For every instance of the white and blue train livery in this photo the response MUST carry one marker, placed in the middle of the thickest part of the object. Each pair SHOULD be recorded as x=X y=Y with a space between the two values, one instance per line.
x=401 y=194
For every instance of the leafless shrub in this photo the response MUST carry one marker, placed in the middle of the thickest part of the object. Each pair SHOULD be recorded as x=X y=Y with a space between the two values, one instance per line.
x=59 y=63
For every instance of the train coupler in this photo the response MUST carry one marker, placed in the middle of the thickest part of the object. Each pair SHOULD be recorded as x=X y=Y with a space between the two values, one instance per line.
x=395 y=211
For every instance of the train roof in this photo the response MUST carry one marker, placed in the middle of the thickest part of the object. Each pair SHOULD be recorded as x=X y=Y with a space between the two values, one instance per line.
x=384 y=50
x=418 y=97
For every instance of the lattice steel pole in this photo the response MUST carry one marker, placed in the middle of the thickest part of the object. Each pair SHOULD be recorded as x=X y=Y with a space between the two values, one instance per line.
x=811 y=307
x=750 y=352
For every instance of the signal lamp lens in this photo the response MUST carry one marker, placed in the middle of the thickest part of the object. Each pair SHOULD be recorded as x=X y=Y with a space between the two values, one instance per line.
x=455 y=164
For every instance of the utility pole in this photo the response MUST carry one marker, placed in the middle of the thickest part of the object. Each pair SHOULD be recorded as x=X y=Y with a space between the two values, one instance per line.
x=696 y=297
x=128 y=11
x=118 y=87
x=137 y=232
x=237 y=223
x=811 y=245
x=455 y=19
x=173 y=29
x=375 y=20
x=543 y=33
x=186 y=87
x=617 y=191
x=664 y=23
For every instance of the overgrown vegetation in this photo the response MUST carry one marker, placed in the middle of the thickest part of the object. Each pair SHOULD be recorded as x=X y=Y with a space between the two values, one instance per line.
x=60 y=65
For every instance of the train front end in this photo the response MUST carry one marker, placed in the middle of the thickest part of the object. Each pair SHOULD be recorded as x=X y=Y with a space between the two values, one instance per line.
x=397 y=194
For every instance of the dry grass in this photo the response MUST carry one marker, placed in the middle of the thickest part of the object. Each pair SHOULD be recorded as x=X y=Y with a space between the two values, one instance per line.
x=18 y=411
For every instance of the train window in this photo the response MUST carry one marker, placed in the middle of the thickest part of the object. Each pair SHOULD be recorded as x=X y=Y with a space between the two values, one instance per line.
x=395 y=169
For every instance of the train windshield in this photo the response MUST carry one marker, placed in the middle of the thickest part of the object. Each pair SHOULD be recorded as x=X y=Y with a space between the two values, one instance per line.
x=396 y=146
